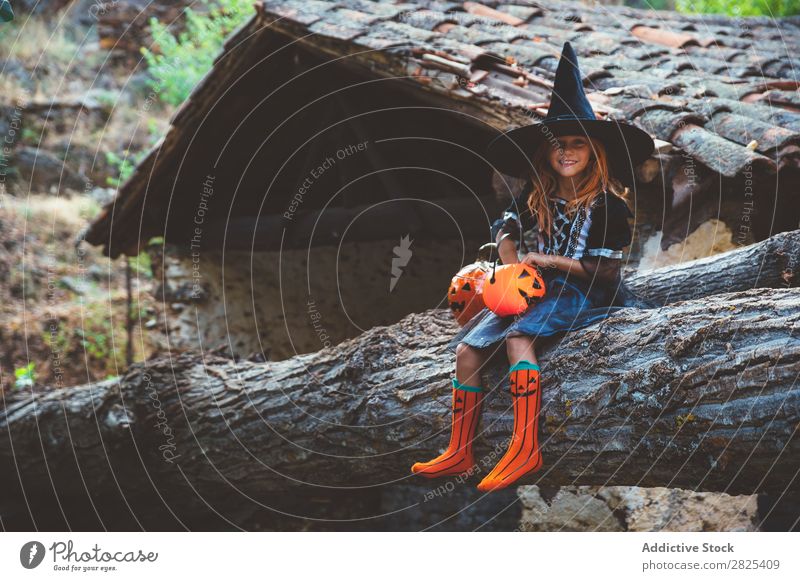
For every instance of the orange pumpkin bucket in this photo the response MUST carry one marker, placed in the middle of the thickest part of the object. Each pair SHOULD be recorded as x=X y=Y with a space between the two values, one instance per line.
x=510 y=289
x=465 y=294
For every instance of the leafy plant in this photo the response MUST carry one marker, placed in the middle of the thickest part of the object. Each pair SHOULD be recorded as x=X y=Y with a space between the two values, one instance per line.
x=96 y=339
x=30 y=136
x=25 y=376
x=97 y=335
x=142 y=265
x=181 y=61
x=774 y=8
x=124 y=165
x=107 y=99
x=59 y=339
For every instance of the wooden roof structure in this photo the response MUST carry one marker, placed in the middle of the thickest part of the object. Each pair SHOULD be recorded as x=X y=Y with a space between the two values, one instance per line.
x=722 y=91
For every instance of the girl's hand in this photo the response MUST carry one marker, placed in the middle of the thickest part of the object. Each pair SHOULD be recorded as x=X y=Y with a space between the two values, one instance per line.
x=541 y=260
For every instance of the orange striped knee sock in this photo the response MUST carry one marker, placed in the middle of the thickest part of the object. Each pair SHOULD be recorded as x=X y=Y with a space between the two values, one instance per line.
x=458 y=457
x=523 y=455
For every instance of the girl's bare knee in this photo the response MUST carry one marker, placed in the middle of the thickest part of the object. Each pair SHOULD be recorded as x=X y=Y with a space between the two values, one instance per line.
x=518 y=344
x=467 y=355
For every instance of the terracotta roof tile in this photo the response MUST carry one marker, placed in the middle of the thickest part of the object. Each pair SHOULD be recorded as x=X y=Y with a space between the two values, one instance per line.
x=381 y=9
x=476 y=34
x=723 y=156
x=538 y=33
x=786 y=99
x=399 y=32
x=561 y=23
x=500 y=32
x=774 y=115
x=426 y=19
x=336 y=27
x=529 y=54
x=457 y=49
x=744 y=130
x=662 y=36
x=482 y=10
x=356 y=18
x=438 y=5
x=596 y=43
x=524 y=13
x=299 y=11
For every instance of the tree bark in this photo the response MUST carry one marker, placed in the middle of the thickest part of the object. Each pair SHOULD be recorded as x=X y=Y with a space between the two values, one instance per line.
x=771 y=263
x=699 y=394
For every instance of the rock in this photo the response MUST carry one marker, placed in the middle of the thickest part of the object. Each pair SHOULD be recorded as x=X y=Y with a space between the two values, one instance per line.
x=670 y=509
x=92 y=108
x=41 y=171
x=75 y=284
x=97 y=272
x=102 y=196
x=123 y=26
x=14 y=69
x=85 y=12
x=49 y=7
x=567 y=511
x=630 y=508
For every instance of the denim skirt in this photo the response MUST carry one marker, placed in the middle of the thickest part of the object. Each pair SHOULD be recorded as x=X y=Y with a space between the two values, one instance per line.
x=570 y=303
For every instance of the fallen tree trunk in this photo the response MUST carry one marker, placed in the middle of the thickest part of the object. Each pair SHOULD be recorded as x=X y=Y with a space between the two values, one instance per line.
x=699 y=394
x=771 y=263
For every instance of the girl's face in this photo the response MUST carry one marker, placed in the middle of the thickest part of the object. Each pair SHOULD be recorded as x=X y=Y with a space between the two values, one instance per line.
x=570 y=155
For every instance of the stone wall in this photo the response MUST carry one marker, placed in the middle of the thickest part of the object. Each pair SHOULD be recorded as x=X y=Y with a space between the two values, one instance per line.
x=279 y=304
x=629 y=508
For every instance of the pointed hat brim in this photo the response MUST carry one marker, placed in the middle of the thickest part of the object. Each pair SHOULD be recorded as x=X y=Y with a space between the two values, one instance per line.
x=627 y=146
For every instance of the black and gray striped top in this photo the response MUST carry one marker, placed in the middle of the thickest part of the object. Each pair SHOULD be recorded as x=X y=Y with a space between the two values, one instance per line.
x=603 y=230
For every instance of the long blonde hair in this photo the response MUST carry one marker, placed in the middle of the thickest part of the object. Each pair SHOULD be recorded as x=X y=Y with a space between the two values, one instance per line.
x=595 y=180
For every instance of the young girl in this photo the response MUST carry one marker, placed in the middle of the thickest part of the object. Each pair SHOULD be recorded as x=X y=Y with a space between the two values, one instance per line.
x=572 y=222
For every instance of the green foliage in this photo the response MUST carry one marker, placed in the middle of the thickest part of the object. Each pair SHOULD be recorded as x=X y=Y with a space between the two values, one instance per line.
x=96 y=337
x=124 y=165
x=30 y=136
x=651 y=4
x=57 y=338
x=178 y=64
x=657 y=4
x=107 y=99
x=25 y=376
x=774 y=8
x=141 y=265
x=182 y=60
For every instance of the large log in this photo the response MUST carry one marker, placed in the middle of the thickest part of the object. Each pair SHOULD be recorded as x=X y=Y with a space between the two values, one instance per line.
x=699 y=394
x=771 y=263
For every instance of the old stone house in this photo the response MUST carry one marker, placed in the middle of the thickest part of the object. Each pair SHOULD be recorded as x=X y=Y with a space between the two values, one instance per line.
x=327 y=175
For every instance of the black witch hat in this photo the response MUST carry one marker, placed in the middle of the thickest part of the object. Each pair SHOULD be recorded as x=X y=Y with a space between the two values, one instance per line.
x=570 y=114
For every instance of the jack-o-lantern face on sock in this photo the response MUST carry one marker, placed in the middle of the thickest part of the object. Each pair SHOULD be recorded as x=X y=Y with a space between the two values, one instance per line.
x=512 y=289
x=465 y=294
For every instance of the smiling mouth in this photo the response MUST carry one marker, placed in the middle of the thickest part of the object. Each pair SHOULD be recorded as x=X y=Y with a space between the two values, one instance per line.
x=568 y=163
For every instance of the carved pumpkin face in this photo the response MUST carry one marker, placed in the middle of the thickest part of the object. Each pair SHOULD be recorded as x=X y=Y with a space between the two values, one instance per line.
x=513 y=289
x=465 y=294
